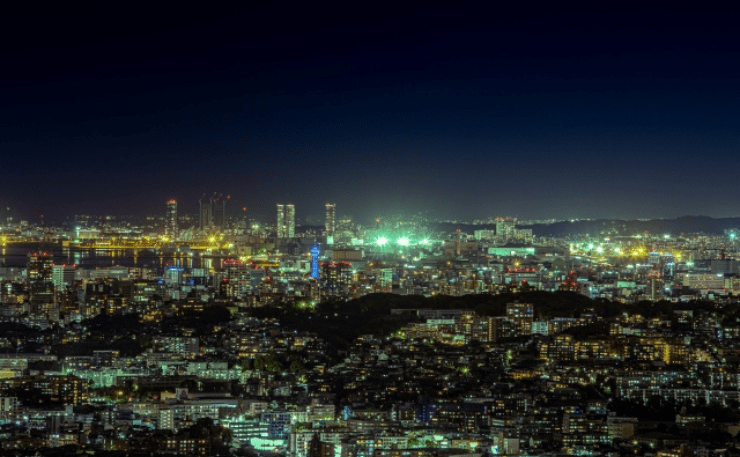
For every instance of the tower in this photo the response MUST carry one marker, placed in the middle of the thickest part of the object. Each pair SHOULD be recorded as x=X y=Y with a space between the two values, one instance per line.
x=331 y=213
x=285 y=227
x=170 y=225
x=315 y=251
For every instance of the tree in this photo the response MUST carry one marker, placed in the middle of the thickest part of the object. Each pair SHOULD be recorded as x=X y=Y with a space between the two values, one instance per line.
x=431 y=443
x=296 y=366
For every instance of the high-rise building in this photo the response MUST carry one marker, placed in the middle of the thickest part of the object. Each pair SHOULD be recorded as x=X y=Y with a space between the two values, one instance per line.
x=213 y=211
x=40 y=267
x=40 y=279
x=505 y=228
x=237 y=278
x=206 y=213
x=170 y=227
x=331 y=213
x=280 y=225
x=285 y=221
x=218 y=210
x=63 y=276
x=336 y=278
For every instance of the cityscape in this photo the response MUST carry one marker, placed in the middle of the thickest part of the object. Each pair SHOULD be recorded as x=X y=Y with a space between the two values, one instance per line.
x=215 y=334
x=302 y=229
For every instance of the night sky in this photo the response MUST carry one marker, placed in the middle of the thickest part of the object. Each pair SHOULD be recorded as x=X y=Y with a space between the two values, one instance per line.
x=457 y=110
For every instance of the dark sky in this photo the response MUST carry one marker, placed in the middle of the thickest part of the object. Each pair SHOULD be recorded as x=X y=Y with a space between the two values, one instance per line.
x=454 y=109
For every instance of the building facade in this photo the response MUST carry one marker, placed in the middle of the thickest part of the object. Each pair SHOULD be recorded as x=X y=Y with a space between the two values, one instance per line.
x=285 y=221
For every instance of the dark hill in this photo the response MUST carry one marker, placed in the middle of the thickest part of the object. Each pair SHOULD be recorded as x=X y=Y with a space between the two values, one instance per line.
x=685 y=225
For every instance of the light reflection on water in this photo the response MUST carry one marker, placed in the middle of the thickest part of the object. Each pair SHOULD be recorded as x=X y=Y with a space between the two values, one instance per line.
x=16 y=256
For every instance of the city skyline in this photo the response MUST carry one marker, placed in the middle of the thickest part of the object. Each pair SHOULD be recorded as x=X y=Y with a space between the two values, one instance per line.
x=366 y=230
x=603 y=112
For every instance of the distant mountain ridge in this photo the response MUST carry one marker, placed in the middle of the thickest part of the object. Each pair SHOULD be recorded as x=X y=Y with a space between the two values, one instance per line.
x=605 y=227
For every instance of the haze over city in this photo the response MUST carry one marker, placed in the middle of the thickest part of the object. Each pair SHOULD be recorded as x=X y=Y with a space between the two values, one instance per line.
x=541 y=112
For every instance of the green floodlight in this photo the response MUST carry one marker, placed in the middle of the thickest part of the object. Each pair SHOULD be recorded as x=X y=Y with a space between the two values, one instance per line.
x=403 y=241
x=381 y=241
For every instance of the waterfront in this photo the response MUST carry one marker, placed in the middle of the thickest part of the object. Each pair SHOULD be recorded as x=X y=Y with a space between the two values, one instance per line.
x=17 y=256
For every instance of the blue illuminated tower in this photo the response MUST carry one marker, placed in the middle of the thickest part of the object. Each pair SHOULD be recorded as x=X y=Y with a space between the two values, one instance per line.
x=315 y=261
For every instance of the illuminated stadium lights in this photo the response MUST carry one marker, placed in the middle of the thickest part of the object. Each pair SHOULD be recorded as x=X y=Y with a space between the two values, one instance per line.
x=381 y=241
x=599 y=249
x=403 y=241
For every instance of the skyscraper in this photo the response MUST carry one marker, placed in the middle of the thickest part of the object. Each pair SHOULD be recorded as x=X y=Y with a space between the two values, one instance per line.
x=170 y=225
x=40 y=279
x=285 y=221
x=331 y=214
x=218 y=210
x=206 y=215
x=213 y=211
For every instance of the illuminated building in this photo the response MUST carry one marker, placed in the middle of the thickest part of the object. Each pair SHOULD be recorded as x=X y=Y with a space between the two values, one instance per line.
x=285 y=221
x=486 y=235
x=704 y=281
x=173 y=276
x=185 y=346
x=63 y=276
x=237 y=278
x=385 y=279
x=505 y=227
x=315 y=251
x=654 y=287
x=331 y=213
x=521 y=316
x=336 y=278
x=170 y=227
x=40 y=279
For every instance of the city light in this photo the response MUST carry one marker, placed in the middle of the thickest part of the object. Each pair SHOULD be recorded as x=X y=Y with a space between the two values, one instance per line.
x=308 y=255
